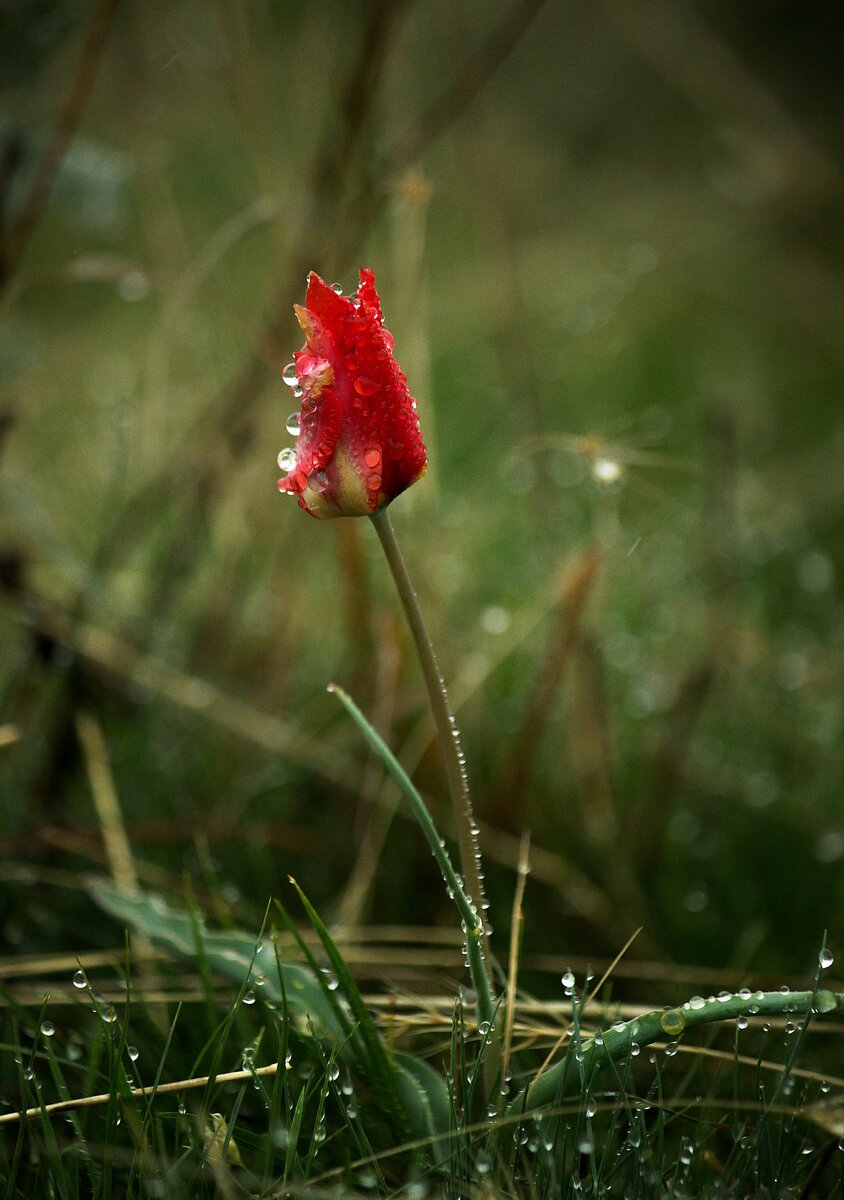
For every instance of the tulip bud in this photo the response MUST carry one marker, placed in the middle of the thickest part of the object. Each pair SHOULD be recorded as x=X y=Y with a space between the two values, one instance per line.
x=358 y=443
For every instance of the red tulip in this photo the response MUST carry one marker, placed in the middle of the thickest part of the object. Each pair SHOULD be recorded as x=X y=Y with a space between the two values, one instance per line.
x=358 y=443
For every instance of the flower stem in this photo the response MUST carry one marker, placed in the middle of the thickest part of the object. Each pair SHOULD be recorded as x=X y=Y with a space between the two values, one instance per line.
x=447 y=731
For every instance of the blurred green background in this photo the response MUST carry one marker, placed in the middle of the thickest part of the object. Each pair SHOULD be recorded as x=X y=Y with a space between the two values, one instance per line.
x=608 y=241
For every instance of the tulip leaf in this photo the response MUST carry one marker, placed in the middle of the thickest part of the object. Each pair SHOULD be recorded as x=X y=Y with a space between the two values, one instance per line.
x=408 y=1091
x=425 y=1096
x=241 y=957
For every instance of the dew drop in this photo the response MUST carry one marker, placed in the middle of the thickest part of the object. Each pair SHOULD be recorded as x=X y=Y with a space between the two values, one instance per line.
x=133 y=1052
x=697 y=1003
x=287 y=459
x=318 y=482
x=249 y=997
x=672 y=1022
x=292 y=425
x=289 y=375
x=567 y=980
x=826 y=958
x=80 y=980
x=337 y=288
x=365 y=386
x=372 y=457
x=741 y=1022
x=298 y=392
x=47 y=1028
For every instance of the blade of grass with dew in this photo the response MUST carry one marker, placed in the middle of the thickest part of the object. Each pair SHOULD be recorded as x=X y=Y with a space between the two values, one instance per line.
x=471 y=922
x=375 y=1055
x=290 y=1157
x=559 y=1080
x=382 y=1072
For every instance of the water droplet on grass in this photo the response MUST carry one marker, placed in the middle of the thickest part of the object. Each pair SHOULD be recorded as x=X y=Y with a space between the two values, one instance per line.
x=673 y=1021
x=826 y=958
x=80 y=980
x=47 y=1028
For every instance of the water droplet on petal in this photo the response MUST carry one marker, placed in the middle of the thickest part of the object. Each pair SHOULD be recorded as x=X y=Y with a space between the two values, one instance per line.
x=318 y=482
x=292 y=425
x=287 y=459
x=297 y=393
x=337 y=288
x=372 y=457
x=365 y=386
x=289 y=375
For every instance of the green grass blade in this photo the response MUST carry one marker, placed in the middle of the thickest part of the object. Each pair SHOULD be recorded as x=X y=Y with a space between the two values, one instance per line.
x=382 y=1073
x=471 y=921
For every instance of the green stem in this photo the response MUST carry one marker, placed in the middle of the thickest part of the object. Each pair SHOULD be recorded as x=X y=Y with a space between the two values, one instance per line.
x=448 y=733
x=611 y=1045
x=468 y=913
